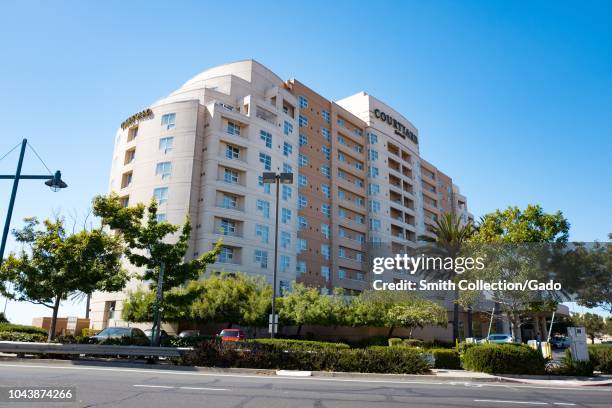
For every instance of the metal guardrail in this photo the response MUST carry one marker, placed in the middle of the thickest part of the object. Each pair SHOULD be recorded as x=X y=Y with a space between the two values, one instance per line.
x=90 y=349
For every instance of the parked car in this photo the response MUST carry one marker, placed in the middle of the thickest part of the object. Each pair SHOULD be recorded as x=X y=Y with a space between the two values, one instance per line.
x=137 y=335
x=498 y=338
x=149 y=334
x=232 y=335
x=559 y=342
x=189 y=333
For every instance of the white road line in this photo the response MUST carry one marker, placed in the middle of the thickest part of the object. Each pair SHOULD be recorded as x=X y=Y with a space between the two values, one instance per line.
x=152 y=386
x=277 y=378
x=204 y=388
x=511 y=402
x=563 y=403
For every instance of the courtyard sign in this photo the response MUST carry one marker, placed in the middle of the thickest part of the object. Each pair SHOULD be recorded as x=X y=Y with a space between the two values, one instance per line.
x=399 y=127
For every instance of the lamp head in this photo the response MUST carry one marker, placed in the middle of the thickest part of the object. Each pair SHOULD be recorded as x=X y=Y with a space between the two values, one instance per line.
x=56 y=183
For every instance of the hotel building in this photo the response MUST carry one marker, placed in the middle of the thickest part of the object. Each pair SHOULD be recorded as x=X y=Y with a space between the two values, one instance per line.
x=358 y=177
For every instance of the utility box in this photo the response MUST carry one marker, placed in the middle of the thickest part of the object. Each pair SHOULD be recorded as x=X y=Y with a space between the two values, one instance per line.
x=578 y=343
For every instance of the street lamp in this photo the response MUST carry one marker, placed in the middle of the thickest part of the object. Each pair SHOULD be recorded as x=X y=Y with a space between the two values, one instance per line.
x=54 y=181
x=278 y=179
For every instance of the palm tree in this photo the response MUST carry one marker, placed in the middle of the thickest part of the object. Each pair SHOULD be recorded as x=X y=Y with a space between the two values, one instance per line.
x=450 y=235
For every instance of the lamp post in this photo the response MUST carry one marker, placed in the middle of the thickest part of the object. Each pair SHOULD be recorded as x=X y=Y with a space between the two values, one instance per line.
x=278 y=179
x=53 y=181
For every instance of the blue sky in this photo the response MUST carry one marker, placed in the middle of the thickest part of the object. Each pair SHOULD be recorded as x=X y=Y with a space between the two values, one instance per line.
x=512 y=99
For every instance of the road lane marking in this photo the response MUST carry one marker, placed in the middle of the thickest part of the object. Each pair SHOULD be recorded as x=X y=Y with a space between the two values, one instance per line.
x=262 y=377
x=511 y=402
x=204 y=388
x=152 y=386
x=563 y=403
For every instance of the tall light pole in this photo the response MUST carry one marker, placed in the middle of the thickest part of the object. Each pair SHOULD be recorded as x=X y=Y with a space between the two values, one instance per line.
x=278 y=179
x=53 y=181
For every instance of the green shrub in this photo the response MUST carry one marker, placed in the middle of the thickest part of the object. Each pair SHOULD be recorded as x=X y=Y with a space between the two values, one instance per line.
x=503 y=359
x=395 y=341
x=446 y=358
x=191 y=341
x=601 y=355
x=70 y=339
x=20 y=336
x=370 y=341
x=301 y=345
x=9 y=327
x=438 y=344
x=271 y=355
x=413 y=343
x=462 y=347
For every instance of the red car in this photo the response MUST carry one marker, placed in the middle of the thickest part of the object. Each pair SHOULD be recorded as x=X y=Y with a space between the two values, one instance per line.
x=232 y=335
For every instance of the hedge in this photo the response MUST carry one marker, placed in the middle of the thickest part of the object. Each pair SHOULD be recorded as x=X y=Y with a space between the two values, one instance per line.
x=21 y=336
x=601 y=355
x=395 y=341
x=266 y=355
x=9 y=327
x=446 y=358
x=302 y=345
x=504 y=359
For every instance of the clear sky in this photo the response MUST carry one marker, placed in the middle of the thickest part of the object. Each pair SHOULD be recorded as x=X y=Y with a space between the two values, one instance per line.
x=512 y=99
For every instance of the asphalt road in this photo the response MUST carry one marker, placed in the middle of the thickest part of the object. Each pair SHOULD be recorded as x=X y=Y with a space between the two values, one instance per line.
x=107 y=386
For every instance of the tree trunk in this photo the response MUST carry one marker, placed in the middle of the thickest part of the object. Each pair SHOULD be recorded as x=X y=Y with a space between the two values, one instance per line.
x=87 y=304
x=56 y=306
x=390 y=332
x=514 y=327
x=455 y=316
x=470 y=332
x=299 y=330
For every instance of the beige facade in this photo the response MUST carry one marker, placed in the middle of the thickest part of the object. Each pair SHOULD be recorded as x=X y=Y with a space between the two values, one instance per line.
x=358 y=177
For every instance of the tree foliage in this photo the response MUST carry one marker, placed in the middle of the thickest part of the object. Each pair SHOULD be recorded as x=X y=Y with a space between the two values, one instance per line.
x=594 y=324
x=54 y=265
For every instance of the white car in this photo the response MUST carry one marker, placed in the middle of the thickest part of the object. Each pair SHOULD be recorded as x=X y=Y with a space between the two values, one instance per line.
x=498 y=339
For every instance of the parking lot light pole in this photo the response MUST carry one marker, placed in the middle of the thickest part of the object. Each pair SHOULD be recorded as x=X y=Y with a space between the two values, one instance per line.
x=278 y=179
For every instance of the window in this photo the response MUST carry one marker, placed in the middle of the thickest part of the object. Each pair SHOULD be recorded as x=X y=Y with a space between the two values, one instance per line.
x=326 y=152
x=284 y=263
x=326 y=116
x=302 y=180
x=373 y=189
x=261 y=258
x=233 y=128
x=341 y=273
x=287 y=149
x=342 y=252
x=169 y=120
x=302 y=223
x=303 y=121
x=325 y=170
x=326 y=210
x=325 y=273
x=372 y=138
x=341 y=123
x=301 y=245
x=161 y=195
x=230 y=201
x=265 y=186
x=125 y=201
x=302 y=201
x=232 y=152
x=360 y=276
x=230 y=176
x=374 y=224
x=325 y=251
x=360 y=257
x=326 y=190
x=359 y=201
x=262 y=232
x=372 y=154
x=341 y=157
x=374 y=206
x=341 y=194
x=326 y=134
x=287 y=168
x=226 y=255
x=341 y=213
x=303 y=140
x=266 y=137
x=285 y=215
x=302 y=160
x=373 y=171
x=285 y=239
x=132 y=133
x=263 y=207
x=359 y=219
x=266 y=160
x=286 y=192
x=300 y=267
x=287 y=128
x=161 y=217
x=165 y=144
x=303 y=102
x=359 y=165
x=228 y=227
x=325 y=230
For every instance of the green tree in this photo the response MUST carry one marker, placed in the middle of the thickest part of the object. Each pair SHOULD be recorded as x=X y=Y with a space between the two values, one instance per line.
x=451 y=234
x=153 y=244
x=594 y=324
x=517 y=245
x=419 y=313
x=57 y=265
